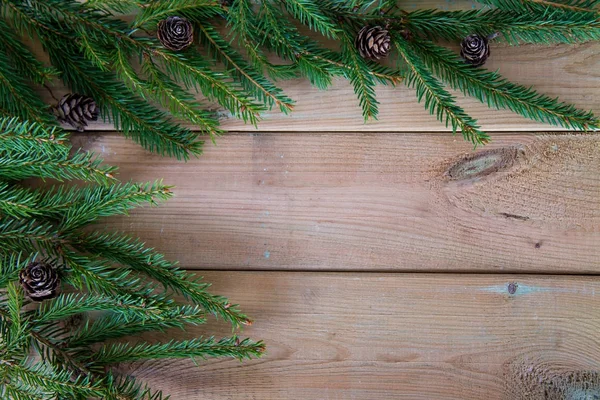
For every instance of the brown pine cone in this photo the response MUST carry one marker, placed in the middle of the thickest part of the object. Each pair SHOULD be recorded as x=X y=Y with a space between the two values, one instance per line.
x=175 y=33
x=40 y=281
x=475 y=50
x=373 y=42
x=76 y=110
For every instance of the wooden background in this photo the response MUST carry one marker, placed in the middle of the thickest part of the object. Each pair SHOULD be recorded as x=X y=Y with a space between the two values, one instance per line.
x=390 y=260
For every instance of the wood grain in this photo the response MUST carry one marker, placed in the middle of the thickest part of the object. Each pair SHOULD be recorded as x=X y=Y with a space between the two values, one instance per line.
x=400 y=336
x=372 y=202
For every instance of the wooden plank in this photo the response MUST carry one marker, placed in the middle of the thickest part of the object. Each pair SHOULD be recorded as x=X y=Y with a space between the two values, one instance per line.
x=378 y=202
x=400 y=336
x=567 y=72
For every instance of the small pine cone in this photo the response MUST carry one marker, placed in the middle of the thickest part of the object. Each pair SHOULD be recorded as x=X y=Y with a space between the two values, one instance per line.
x=475 y=50
x=373 y=42
x=76 y=110
x=175 y=33
x=39 y=280
x=226 y=3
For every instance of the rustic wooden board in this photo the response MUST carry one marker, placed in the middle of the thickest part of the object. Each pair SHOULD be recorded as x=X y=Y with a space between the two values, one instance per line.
x=401 y=336
x=375 y=202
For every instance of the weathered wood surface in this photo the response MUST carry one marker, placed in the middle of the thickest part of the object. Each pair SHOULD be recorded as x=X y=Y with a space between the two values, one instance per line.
x=372 y=202
x=320 y=190
x=401 y=336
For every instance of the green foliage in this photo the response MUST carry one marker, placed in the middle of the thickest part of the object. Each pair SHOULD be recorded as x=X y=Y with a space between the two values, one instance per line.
x=149 y=92
x=115 y=284
x=437 y=100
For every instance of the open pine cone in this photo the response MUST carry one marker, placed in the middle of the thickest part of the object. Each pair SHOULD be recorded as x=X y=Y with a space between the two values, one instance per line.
x=40 y=281
x=475 y=50
x=76 y=110
x=175 y=33
x=373 y=42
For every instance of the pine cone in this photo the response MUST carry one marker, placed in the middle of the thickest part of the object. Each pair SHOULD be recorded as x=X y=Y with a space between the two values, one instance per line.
x=76 y=110
x=373 y=42
x=175 y=33
x=475 y=50
x=40 y=281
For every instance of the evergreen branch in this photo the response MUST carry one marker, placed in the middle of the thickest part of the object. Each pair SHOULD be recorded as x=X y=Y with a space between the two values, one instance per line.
x=66 y=305
x=120 y=325
x=54 y=382
x=227 y=347
x=242 y=22
x=157 y=10
x=101 y=202
x=97 y=277
x=490 y=88
x=363 y=83
x=195 y=73
x=310 y=14
x=119 y=6
x=11 y=264
x=17 y=97
x=18 y=235
x=529 y=5
x=22 y=58
x=139 y=120
x=19 y=391
x=32 y=163
x=543 y=27
x=58 y=354
x=21 y=136
x=252 y=80
x=127 y=388
x=437 y=100
x=133 y=254
x=162 y=88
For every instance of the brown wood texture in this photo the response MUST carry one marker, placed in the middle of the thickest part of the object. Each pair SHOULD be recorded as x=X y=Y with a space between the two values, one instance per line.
x=372 y=202
x=267 y=211
x=401 y=336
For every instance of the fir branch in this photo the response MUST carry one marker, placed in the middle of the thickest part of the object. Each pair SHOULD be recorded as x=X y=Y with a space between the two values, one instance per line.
x=120 y=325
x=180 y=103
x=97 y=277
x=22 y=58
x=544 y=27
x=308 y=13
x=20 y=235
x=242 y=24
x=157 y=10
x=139 y=120
x=54 y=382
x=536 y=5
x=252 y=80
x=363 y=83
x=437 y=100
x=11 y=264
x=490 y=88
x=66 y=305
x=32 y=163
x=133 y=254
x=17 y=97
x=227 y=347
x=101 y=202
